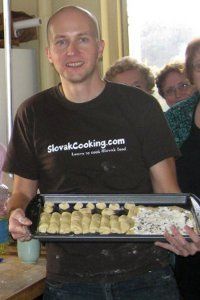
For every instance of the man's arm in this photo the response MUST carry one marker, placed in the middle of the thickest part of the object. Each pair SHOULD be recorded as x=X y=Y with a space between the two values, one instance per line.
x=23 y=191
x=163 y=177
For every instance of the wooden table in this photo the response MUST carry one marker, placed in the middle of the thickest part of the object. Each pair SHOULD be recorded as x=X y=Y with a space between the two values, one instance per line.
x=20 y=281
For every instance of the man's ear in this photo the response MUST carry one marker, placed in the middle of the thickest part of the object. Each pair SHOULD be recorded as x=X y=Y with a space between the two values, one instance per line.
x=48 y=53
x=101 y=45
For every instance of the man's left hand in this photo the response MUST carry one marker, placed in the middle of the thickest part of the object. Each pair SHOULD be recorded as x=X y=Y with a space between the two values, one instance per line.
x=178 y=244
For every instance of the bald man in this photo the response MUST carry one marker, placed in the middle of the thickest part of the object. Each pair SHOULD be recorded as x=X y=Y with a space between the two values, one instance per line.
x=86 y=136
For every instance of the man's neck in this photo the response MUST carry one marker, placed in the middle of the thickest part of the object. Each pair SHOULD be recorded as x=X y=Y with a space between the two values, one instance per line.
x=82 y=92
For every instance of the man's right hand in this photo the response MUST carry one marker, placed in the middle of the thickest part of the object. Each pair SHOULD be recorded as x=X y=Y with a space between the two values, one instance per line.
x=18 y=225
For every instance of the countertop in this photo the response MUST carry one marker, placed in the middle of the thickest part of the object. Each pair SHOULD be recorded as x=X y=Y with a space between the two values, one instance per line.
x=20 y=281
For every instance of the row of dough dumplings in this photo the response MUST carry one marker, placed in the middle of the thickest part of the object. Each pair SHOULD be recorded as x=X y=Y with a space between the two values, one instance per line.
x=78 y=222
x=64 y=206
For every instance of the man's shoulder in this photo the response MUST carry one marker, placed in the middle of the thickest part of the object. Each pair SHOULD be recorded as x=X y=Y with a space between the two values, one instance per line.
x=37 y=101
x=39 y=97
x=132 y=95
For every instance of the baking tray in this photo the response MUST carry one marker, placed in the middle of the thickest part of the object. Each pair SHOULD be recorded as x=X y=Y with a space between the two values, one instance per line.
x=35 y=207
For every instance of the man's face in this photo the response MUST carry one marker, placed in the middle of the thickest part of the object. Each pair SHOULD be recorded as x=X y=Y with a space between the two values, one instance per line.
x=74 y=48
x=176 y=87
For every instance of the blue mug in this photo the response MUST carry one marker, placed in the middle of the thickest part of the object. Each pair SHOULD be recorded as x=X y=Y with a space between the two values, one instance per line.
x=28 y=251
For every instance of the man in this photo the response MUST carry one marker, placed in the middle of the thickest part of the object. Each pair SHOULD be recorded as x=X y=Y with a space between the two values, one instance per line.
x=63 y=141
x=128 y=71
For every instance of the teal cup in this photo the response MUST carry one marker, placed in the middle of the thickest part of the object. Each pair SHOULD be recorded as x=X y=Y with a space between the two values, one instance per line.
x=28 y=251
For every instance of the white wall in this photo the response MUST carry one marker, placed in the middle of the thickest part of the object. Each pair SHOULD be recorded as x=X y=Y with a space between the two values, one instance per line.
x=24 y=83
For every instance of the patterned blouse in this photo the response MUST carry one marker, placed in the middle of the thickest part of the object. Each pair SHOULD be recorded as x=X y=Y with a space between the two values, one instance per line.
x=180 y=118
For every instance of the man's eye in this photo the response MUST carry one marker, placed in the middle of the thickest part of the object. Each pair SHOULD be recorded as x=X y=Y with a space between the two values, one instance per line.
x=61 y=42
x=84 y=39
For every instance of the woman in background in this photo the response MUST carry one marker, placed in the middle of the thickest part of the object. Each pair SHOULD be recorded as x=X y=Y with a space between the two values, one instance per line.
x=184 y=120
x=2 y=158
x=129 y=71
x=172 y=83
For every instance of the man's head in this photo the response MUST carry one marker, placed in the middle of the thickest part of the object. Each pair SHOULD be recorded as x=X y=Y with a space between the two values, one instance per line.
x=128 y=71
x=172 y=83
x=92 y=18
x=74 y=44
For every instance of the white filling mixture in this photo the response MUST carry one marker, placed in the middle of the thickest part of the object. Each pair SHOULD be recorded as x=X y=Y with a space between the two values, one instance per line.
x=149 y=220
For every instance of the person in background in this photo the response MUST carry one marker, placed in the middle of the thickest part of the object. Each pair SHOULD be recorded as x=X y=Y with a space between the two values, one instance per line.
x=62 y=142
x=5 y=179
x=172 y=83
x=2 y=158
x=184 y=121
x=128 y=71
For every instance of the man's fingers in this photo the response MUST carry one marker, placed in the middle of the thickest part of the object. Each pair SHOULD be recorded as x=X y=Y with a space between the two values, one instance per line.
x=18 y=225
x=20 y=232
x=20 y=229
x=23 y=239
x=19 y=216
x=193 y=235
x=24 y=221
x=178 y=244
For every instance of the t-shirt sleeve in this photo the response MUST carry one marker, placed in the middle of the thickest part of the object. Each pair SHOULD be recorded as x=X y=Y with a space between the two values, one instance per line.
x=156 y=137
x=21 y=158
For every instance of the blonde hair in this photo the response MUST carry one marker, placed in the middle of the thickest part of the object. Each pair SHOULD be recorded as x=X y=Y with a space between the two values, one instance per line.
x=127 y=63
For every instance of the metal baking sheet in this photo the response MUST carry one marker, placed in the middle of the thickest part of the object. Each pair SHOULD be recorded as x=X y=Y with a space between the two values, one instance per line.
x=34 y=209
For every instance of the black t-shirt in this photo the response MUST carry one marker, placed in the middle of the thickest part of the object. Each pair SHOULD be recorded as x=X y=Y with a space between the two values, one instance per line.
x=106 y=145
x=188 y=165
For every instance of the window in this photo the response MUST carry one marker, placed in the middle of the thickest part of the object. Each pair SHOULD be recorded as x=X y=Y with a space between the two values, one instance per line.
x=159 y=31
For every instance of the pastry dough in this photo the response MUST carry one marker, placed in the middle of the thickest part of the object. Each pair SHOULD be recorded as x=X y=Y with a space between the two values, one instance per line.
x=45 y=217
x=85 y=210
x=129 y=205
x=48 y=203
x=48 y=209
x=66 y=214
x=65 y=227
x=76 y=222
x=90 y=205
x=64 y=205
x=132 y=212
x=43 y=227
x=104 y=225
x=95 y=223
x=55 y=218
x=107 y=212
x=65 y=223
x=53 y=228
x=115 y=225
x=65 y=218
x=78 y=206
x=101 y=205
x=86 y=220
x=114 y=206
x=125 y=223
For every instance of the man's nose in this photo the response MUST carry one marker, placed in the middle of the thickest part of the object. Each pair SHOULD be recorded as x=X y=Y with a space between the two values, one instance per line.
x=72 y=48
